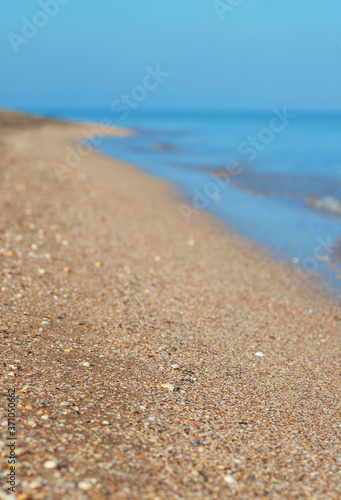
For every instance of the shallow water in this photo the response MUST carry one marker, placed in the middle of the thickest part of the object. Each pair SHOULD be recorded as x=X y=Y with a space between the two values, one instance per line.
x=275 y=178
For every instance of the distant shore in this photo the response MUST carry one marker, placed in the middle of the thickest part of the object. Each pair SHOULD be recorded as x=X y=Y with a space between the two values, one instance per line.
x=152 y=359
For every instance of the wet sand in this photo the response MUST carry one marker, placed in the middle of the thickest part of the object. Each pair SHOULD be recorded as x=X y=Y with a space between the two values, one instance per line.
x=151 y=358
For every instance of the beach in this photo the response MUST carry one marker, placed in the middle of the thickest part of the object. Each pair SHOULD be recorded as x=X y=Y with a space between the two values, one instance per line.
x=152 y=358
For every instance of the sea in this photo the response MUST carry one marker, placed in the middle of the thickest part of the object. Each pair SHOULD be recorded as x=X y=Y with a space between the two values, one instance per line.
x=273 y=177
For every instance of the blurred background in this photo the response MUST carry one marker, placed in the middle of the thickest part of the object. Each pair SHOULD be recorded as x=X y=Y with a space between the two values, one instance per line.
x=237 y=102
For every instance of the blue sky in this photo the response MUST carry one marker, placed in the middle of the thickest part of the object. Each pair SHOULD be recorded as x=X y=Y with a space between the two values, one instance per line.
x=256 y=55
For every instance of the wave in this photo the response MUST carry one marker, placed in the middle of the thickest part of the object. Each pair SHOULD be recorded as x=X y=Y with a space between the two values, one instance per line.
x=326 y=203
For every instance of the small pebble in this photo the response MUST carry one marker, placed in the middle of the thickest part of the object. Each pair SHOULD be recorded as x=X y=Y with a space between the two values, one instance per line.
x=259 y=354
x=229 y=479
x=85 y=485
x=169 y=387
x=50 y=464
x=34 y=485
x=86 y=363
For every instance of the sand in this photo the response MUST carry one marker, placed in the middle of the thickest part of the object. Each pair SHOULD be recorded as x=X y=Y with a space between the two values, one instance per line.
x=130 y=338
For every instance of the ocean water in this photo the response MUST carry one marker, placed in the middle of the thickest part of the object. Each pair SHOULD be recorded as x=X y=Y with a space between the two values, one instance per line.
x=273 y=177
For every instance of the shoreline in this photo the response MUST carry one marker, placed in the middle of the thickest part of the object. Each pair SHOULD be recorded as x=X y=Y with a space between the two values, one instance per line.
x=309 y=239
x=133 y=340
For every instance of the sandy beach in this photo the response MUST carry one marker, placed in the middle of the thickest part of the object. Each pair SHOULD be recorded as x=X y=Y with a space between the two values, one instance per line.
x=152 y=358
